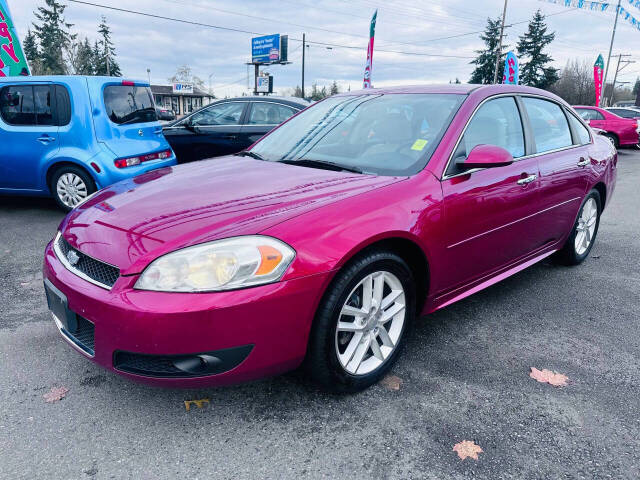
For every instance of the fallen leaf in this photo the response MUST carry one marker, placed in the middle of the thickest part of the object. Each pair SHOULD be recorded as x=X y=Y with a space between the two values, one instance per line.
x=391 y=382
x=56 y=394
x=547 y=376
x=467 y=448
x=198 y=403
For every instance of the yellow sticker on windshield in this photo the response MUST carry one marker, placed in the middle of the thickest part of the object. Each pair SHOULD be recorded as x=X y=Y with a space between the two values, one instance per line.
x=419 y=144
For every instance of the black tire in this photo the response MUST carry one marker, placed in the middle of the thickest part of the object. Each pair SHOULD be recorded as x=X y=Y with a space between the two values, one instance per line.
x=568 y=255
x=322 y=361
x=70 y=169
x=613 y=139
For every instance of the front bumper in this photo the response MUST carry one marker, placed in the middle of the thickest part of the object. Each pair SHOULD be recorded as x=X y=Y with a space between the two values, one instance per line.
x=271 y=322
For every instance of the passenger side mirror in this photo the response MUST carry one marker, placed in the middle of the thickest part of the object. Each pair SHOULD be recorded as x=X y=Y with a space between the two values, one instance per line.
x=485 y=156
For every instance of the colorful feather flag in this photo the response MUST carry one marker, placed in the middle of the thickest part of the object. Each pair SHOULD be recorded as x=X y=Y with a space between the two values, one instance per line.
x=511 y=71
x=598 y=68
x=369 y=66
x=12 y=60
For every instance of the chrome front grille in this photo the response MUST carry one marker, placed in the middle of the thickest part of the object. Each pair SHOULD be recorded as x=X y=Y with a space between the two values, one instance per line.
x=92 y=270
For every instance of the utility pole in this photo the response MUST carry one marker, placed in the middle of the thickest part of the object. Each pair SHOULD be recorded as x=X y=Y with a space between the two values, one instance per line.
x=303 y=49
x=625 y=63
x=613 y=36
x=108 y=69
x=499 y=52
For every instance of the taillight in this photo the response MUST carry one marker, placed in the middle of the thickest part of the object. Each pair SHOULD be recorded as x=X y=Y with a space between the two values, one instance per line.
x=132 y=161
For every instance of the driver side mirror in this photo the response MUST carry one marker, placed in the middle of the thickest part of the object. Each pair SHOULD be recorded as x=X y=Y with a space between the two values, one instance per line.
x=485 y=156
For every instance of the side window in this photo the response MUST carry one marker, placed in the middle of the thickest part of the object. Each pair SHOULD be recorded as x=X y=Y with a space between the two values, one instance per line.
x=17 y=105
x=588 y=114
x=549 y=124
x=581 y=130
x=498 y=123
x=222 y=114
x=43 y=105
x=63 y=105
x=263 y=113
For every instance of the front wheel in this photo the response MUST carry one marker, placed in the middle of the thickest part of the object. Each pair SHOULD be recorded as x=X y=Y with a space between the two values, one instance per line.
x=70 y=185
x=585 y=229
x=362 y=322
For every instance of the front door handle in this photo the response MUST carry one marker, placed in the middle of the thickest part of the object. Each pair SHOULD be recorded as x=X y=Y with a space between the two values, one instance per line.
x=46 y=139
x=229 y=137
x=527 y=180
x=583 y=162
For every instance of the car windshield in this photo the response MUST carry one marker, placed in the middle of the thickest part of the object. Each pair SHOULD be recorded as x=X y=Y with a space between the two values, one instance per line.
x=391 y=134
x=129 y=104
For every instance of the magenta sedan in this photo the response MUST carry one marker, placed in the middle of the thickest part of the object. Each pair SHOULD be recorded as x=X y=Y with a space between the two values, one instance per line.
x=322 y=243
x=620 y=131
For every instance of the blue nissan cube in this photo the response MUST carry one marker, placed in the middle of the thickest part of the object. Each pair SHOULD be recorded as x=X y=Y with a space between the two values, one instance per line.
x=68 y=136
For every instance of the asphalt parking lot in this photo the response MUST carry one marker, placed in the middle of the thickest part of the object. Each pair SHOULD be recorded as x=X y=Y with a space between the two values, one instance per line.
x=465 y=376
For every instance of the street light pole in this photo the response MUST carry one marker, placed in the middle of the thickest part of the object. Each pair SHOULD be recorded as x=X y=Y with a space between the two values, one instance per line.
x=149 y=75
x=499 y=52
x=613 y=36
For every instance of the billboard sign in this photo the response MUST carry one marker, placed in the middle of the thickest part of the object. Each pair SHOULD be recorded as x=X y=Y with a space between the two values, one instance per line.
x=264 y=82
x=185 y=88
x=265 y=49
x=12 y=60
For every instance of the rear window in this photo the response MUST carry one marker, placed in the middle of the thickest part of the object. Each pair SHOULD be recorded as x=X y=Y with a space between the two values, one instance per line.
x=129 y=104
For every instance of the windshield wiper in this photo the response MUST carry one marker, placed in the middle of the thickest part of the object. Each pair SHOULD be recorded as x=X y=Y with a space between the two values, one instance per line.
x=249 y=153
x=322 y=164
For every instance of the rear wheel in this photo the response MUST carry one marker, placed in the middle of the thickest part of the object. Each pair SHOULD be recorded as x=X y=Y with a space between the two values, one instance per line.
x=362 y=322
x=584 y=232
x=70 y=185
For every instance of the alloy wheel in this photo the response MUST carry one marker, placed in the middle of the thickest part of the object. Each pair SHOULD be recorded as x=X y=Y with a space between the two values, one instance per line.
x=586 y=226
x=71 y=189
x=370 y=323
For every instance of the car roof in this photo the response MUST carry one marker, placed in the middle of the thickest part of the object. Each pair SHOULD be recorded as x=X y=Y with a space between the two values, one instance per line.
x=451 y=88
x=296 y=101
x=71 y=78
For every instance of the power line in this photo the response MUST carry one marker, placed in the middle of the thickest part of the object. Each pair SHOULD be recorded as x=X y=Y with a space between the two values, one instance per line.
x=239 y=30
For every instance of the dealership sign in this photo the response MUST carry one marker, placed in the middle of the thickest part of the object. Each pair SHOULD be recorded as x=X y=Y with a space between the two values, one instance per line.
x=12 y=60
x=186 y=88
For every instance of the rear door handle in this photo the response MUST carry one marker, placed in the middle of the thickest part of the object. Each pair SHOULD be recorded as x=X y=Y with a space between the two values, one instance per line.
x=229 y=137
x=527 y=180
x=583 y=162
x=46 y=139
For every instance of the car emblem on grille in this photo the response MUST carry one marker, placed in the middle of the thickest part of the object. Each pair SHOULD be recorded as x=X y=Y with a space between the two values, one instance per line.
x=140 y=132
x=73 y=257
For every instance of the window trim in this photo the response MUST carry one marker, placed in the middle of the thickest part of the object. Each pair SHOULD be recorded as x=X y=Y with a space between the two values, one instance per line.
x=535 y=147
x=239 y=124
x=516 y=95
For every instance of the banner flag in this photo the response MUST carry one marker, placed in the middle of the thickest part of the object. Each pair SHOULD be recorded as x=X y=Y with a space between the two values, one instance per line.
x=12 y=60
x=511 y=70
x=603 y=7
x=598 y=69
x=369 y=66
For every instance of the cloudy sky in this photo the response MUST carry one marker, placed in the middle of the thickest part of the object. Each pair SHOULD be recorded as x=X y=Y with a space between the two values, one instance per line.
x=410 y=47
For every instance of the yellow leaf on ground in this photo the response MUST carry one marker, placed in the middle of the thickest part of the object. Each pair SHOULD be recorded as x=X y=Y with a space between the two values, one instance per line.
x=547 y=376
x=467 y=448
x=200 y=403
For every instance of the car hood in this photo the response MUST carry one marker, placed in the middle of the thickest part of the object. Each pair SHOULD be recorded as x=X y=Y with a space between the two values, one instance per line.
x=135 y=221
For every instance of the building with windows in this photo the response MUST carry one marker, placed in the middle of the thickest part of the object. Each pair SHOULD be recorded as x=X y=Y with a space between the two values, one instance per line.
x=182 y=103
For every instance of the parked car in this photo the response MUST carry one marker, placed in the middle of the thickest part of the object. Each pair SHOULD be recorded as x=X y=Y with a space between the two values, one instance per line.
x=627 y=112
x=620 y=131
x=325 y=240
x=165 y=115
x=67 y=136
x=228 y=126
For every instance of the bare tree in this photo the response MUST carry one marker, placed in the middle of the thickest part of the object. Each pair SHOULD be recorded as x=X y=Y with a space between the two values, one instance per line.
x=576 y=84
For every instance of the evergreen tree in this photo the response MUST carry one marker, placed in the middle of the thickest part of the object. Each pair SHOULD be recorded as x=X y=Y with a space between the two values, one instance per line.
x=53 y=34
x=31 y=51
x=535 y=70
x=485 y=62
x=334 y=88
x=82 y=58
x=636 y=87
x=107 y=52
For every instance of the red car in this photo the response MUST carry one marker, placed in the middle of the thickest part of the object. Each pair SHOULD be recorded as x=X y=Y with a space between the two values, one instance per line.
x=620 y=131
x=324 y=241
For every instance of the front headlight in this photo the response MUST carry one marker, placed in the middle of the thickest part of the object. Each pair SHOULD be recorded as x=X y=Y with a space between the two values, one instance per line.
x=220 y=265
